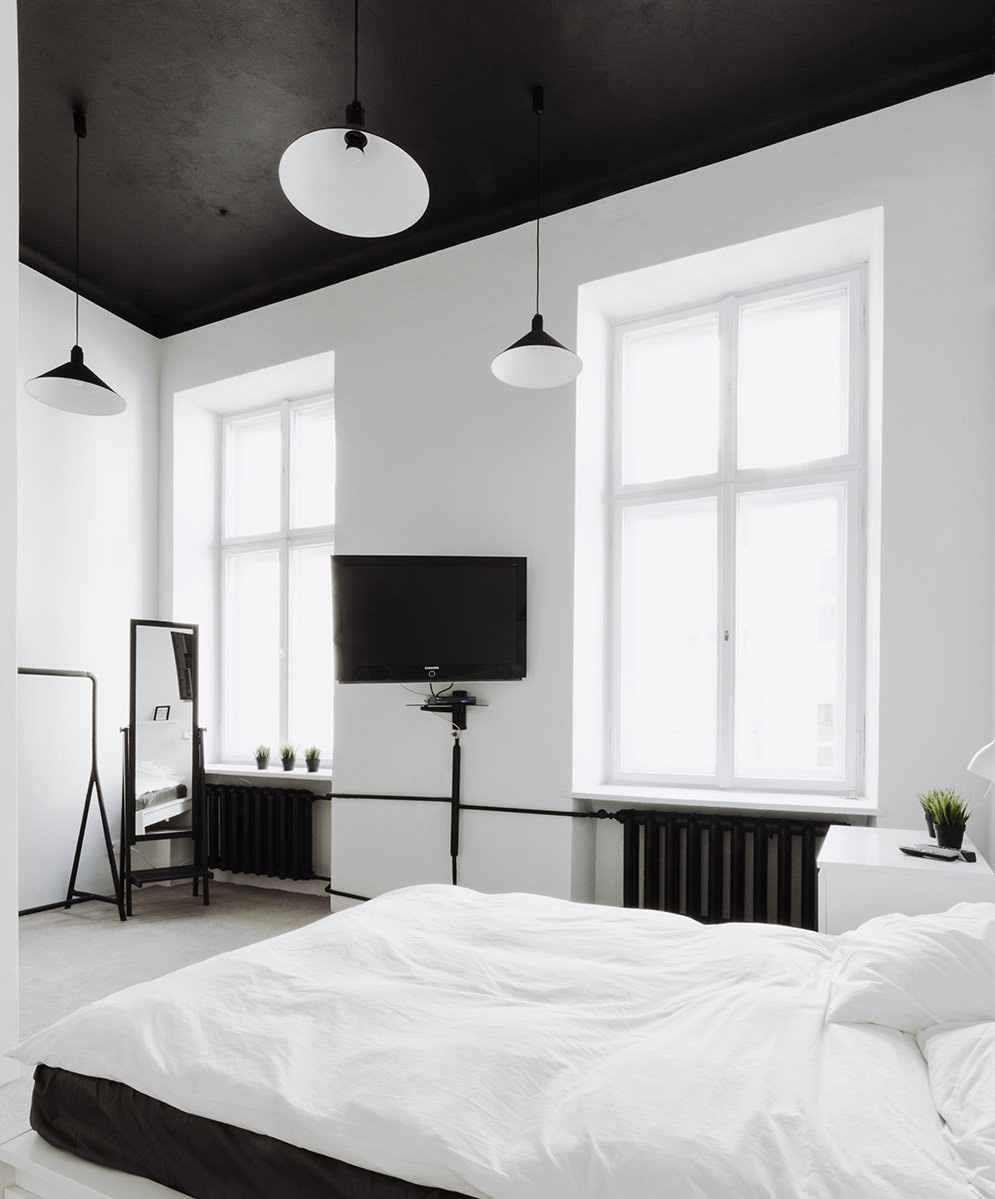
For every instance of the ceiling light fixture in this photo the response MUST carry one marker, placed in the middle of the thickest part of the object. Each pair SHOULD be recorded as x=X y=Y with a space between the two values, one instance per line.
x=352 y=181
x=537 y=360
x=73 y=387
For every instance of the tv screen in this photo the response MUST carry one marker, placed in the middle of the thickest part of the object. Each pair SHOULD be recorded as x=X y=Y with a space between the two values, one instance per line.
x=183 y=653
x=404 y=619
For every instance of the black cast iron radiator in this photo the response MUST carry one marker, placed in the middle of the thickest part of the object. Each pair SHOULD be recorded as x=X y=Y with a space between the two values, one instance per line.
x=259 y=830
x=720 y=867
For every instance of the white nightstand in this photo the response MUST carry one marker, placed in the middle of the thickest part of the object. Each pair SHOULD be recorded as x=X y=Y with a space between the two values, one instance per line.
x=862 y=873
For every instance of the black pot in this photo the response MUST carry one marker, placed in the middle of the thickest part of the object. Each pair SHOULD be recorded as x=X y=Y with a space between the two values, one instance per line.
x=312 y=764
x=929 y=824
x=261 y=762
x=288 y=763
x=950 y=836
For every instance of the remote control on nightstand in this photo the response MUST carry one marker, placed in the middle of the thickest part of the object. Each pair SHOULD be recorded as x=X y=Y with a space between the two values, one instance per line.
x=932 y=851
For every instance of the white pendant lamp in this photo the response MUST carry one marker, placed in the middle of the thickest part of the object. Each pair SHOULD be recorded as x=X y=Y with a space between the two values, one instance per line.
x=983 y=762
x=352 y=181
x=73 y=387
x=537 y=360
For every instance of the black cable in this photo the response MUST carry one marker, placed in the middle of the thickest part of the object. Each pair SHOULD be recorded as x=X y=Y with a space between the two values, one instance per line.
x=537 y=107
x=77 y=117
x=355 y=52
x=346 y=894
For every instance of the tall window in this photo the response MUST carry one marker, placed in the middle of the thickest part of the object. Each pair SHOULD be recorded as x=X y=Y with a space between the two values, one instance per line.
x=737 y=544
x=278 y=488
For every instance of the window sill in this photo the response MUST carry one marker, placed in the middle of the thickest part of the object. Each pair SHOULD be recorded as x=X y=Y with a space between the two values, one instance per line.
x=706 y=799
x=250 y=770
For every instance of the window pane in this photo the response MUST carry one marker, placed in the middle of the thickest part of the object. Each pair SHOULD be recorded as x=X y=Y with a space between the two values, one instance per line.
x=252 y=475
x=668 y=635
x=793 y=380
x=312 y=466
x=251 y=666
x=670 y=401
x=789 y=637
x=311 y=668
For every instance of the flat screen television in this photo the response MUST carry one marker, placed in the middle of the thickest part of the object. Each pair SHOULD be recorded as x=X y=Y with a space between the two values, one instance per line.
x=408 y=618
x=183 y=653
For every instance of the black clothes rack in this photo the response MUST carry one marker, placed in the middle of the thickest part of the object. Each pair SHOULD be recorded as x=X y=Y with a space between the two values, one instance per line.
x=73 y=894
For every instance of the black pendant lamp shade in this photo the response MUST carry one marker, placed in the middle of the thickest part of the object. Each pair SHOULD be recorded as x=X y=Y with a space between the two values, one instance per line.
x=73 y=387
x=537 y=360
x=350 y=180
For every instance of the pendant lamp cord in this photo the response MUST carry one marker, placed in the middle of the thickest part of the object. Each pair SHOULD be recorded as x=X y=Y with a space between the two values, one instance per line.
x=355 y=52
x=537 y=108
x=78 y=120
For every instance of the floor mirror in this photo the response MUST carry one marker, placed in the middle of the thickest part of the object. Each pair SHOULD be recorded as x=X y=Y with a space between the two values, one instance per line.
x=163 y=828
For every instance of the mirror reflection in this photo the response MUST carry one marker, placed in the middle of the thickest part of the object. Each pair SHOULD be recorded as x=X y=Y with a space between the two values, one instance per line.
x=163 y=694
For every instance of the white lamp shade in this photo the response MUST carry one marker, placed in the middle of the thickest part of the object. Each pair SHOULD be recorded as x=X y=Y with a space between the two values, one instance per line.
x=983 y=762
x=372 y=192
x=537 y=360
x=73 y=387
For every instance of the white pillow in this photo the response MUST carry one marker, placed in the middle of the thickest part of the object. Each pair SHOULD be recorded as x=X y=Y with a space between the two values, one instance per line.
x=961 y=1061
x=909 y=972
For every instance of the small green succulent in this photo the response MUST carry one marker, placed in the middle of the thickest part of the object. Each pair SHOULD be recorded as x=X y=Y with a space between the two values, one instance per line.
x=944 y=806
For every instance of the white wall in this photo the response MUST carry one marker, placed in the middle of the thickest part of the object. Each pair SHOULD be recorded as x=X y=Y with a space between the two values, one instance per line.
x=86 y=505
x=8 y=533
x=435 y=456
x=990 y=301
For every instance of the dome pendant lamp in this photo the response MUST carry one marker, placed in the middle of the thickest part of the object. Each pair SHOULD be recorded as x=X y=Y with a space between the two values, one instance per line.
x=352 y=181
x=537 y=360
x=73 y=387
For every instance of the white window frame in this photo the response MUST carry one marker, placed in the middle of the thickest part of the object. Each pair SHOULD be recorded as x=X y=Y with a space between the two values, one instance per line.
x=283 y=540
x=726 y=484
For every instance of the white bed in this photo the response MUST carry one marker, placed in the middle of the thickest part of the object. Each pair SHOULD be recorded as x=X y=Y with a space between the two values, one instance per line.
x=519 y=1047
x=160 y=794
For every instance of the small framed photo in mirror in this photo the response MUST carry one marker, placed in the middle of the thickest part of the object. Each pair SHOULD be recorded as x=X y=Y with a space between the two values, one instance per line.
x=161 y=712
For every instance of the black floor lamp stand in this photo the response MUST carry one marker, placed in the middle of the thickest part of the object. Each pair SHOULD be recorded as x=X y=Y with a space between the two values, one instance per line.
x=73 y=895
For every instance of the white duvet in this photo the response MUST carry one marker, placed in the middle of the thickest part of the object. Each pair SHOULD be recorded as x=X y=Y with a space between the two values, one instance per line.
x=516 y=1047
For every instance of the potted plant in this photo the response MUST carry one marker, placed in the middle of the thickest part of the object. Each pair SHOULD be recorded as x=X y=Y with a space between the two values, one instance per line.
x=288 y=755
x=949 y=813
x=262 y=756
x=926 y=803
x=312 y=758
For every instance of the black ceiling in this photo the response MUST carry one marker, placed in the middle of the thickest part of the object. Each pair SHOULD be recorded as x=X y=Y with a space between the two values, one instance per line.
x=190 y=104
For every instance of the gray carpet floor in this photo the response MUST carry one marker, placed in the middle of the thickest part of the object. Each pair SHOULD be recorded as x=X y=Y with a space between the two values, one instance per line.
x=69 y=958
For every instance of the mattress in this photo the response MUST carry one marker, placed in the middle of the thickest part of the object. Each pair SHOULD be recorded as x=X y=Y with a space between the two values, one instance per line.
x=113 y=1125
x=522 y=1047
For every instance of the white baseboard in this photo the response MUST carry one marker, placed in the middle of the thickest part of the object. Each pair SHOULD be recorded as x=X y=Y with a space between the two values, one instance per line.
x=308 y=886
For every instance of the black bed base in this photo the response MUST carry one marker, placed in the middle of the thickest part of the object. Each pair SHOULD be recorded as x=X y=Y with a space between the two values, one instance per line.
x=112 y=1125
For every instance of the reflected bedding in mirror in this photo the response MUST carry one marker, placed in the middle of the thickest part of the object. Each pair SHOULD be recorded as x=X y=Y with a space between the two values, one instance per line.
x=156 y=784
